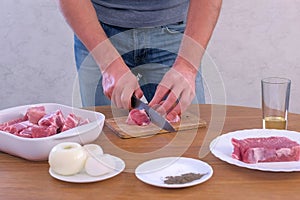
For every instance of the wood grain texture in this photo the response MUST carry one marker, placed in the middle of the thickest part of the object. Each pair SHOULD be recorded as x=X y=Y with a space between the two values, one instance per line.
x=22 y=179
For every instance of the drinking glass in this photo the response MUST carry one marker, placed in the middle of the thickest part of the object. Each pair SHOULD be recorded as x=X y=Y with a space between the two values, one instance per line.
x=275 y=102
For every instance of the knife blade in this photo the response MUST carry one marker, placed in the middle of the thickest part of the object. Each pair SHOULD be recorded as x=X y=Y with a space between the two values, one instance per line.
x=154 y=116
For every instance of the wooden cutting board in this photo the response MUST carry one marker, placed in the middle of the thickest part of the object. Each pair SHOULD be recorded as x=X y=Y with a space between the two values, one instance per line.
x=122 y=129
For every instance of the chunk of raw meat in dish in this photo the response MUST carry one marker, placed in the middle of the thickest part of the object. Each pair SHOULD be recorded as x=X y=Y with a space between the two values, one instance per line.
x=36 y=123
x=266 y=149
x=13 y=121
x=43 y=131
x=71 y=122
x=17 y=127
x=55 y=119
x=34 y=114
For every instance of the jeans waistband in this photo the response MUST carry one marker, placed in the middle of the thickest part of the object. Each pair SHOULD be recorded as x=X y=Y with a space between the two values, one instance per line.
x=124 y=28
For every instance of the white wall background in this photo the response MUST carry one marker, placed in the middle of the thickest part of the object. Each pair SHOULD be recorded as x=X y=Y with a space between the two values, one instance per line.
x=36 y=57
x=253 y=39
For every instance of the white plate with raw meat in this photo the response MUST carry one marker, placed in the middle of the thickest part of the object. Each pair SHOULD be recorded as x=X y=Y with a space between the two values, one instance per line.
x=30 y=131
x=223 y=148
x=174 y=172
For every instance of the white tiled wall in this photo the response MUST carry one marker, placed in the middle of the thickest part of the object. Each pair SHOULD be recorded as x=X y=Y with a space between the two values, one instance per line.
x=253 y=39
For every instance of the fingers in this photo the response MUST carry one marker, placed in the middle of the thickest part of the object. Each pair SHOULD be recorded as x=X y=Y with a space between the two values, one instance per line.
x=122 y=97
x=181 y=106
x=167 y=95
x=123 y=92
x=160 y=94
x=169 y=103
x=138 y=93
x=174 y=94
x=120 y=86
x=170 y=106
x=173 y=116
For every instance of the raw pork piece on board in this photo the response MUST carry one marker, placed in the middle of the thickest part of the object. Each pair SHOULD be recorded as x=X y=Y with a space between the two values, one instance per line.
x=266 y=149
x=138 y=117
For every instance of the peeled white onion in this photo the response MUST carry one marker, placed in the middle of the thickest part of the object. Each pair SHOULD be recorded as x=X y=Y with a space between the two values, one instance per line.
x=93 y=150
x=67 y=158
x=100 y=165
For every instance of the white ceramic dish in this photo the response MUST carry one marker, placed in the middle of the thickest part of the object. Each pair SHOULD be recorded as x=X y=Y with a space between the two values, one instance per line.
x=154 y=171
x=222 y=148
x=37 y=149
x=83 y=177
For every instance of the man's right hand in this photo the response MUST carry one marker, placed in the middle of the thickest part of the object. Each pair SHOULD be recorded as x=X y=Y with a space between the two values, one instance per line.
x=119 y=84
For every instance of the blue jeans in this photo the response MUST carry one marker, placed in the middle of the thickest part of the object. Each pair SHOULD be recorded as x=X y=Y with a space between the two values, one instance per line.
x=148 y=52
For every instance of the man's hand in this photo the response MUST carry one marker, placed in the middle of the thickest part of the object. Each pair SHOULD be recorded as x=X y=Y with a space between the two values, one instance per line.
x=119 y=84
x=178 y=87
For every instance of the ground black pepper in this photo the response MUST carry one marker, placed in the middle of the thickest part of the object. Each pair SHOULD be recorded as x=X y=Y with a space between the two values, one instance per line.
x=184 y=178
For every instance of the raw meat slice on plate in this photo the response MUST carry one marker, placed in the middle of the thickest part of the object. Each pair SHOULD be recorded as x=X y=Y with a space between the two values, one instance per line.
x=265 y=149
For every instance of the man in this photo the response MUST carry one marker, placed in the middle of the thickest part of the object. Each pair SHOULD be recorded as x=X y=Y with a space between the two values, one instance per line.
x=142 y=47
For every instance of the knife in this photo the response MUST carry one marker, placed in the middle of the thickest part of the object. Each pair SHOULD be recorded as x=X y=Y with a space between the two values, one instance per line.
x=154 y=116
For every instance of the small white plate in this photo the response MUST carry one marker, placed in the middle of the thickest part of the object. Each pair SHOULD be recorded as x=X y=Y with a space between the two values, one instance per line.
x=153 y=172
x=222 y=148
x=83 y=177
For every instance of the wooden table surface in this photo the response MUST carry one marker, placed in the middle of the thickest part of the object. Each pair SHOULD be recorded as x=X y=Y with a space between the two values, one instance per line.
x=22 y=179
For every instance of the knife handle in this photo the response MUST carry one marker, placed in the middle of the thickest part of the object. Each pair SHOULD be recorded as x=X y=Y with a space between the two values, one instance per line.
x=134 y=101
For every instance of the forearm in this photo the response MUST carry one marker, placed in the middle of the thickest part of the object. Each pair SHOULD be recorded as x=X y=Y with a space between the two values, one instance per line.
x=201 y=20
x=82 y=18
